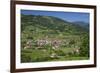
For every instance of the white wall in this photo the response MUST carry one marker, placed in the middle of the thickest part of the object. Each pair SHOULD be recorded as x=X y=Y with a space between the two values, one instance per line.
x=5 y=37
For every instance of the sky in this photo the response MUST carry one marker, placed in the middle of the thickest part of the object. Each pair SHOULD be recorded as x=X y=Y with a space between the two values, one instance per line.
x=67 y=16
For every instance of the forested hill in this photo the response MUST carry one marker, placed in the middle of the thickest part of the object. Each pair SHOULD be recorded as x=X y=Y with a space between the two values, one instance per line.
x=50 y=23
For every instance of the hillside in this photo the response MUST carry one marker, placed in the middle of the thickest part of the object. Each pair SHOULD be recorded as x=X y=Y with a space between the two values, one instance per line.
x=51 y=23
x=48 y=38
x=82 y=24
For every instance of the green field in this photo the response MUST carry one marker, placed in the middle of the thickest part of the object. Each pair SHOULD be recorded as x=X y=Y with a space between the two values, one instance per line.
x=41 y=55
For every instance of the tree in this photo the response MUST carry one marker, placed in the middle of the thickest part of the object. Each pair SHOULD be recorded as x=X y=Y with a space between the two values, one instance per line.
x=84 y=48
x=72 y=43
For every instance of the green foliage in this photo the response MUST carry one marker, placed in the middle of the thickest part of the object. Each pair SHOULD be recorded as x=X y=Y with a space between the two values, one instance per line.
x=60 y=53
x=25 y=57
x=72 y=42
x=84 y=48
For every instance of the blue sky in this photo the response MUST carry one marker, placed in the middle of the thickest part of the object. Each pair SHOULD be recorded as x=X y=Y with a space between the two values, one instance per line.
x=67 y=16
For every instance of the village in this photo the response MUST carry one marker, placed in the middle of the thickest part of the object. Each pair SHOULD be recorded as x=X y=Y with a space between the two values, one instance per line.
x=54 y=45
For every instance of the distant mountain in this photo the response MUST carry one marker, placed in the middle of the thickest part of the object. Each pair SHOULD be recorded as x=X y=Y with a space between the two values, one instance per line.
x=82 y=24
x=51 y=23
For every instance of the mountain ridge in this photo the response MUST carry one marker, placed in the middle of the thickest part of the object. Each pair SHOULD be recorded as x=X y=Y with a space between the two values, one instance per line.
x=52 y=23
